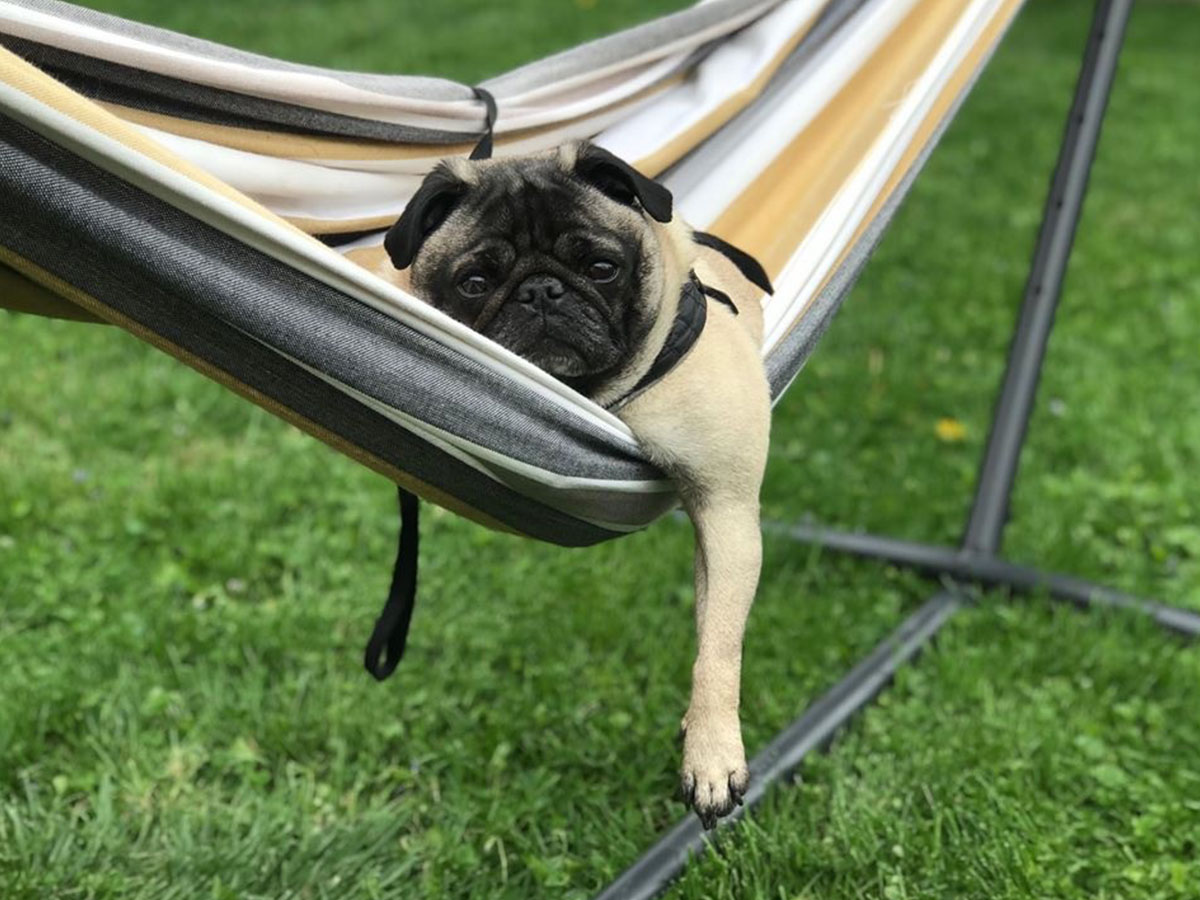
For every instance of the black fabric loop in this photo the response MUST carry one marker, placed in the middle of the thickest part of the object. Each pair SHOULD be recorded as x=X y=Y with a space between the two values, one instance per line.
x=483 y=150
x=391 y=628
x=750 y=267
x=720 y=296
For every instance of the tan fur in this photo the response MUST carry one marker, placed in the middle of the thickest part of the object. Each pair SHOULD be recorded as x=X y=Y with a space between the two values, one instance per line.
x=706 y=423
x=375 y=260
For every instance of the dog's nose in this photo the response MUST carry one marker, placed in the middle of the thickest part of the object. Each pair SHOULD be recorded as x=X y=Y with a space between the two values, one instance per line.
x=540 y=289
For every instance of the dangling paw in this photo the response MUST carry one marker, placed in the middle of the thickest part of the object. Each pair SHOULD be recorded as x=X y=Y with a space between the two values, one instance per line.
x=714 y=776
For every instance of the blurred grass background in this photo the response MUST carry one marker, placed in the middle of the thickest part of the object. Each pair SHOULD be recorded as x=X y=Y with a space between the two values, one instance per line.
x=186 y=583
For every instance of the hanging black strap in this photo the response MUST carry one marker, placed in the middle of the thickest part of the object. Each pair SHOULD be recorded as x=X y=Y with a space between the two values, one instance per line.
x=483 y=150
x=720 y=296
x=391 y=628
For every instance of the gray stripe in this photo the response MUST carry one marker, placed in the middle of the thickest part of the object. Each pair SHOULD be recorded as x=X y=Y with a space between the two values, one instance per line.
x=105 y=80
x=206 y=291
x=626 y=44
x=115 y=83
x=789 y=356
x=415 y=86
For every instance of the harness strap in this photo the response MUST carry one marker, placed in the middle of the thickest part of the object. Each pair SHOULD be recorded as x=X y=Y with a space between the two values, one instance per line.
x=750 y=267
x=690 y=317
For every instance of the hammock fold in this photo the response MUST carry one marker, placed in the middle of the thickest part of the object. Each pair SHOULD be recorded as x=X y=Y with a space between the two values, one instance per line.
x=213 y=202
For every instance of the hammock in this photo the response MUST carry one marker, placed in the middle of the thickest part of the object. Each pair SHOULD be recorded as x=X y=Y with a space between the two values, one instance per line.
x=212 y=202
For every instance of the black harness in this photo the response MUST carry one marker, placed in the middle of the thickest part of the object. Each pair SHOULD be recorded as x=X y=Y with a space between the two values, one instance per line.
x=685 y=331
x=693 y=310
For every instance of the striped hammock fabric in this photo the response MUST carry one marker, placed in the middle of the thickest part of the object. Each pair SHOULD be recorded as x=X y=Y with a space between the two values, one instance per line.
x=213 y=202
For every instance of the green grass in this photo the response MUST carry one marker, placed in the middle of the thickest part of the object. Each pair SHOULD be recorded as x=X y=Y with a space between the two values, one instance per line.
x=187 y=583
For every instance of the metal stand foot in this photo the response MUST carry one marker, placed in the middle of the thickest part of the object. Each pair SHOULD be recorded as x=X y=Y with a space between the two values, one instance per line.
x=966 y=566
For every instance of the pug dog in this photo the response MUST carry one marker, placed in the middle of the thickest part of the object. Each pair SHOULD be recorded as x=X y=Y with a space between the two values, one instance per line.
x=573 y=260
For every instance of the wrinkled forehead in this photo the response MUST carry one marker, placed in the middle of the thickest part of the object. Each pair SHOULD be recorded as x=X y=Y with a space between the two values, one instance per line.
x=534 y=202
x=530 y=204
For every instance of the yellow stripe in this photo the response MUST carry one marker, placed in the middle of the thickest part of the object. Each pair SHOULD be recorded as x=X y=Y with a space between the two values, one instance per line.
x=311 y=225
x=941 y=108
x=774 y=214
x=282 y=144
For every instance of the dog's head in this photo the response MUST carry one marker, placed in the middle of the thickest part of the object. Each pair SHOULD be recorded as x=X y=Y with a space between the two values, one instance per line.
x=557 y=256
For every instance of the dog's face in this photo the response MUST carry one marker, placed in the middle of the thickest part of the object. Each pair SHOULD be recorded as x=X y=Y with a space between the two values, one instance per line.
x=553 y=256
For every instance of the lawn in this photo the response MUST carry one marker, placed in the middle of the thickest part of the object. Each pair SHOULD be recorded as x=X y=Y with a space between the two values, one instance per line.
x=187 y=583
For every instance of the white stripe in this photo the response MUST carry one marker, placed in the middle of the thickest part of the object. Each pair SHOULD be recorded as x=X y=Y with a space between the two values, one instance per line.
x=729 y=69
x=579 y=85
x=598 y=95
x=286 y=85
x=722 y=180
x=294 y=187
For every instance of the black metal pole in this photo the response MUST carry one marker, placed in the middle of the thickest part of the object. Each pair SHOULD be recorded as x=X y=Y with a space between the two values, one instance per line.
x=990 y=509
x=813 y=730
x=984 y=569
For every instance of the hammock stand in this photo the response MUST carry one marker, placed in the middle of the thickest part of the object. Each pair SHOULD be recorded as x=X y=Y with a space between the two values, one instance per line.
x=976 y=562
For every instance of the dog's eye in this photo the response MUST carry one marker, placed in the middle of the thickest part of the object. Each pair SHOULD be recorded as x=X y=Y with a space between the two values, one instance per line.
x=602 y=271
x=473 y=286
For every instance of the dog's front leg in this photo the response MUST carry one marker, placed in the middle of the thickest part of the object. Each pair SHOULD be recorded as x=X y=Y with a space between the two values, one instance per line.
x=728 y=559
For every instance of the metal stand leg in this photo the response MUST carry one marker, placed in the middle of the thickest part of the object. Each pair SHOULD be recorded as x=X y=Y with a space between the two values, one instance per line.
x=1055 y=238
x=976 y=561
x=814 y=730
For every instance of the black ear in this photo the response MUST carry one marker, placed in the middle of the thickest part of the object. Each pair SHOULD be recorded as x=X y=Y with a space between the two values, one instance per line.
x=613 y=176
x=434 y=200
